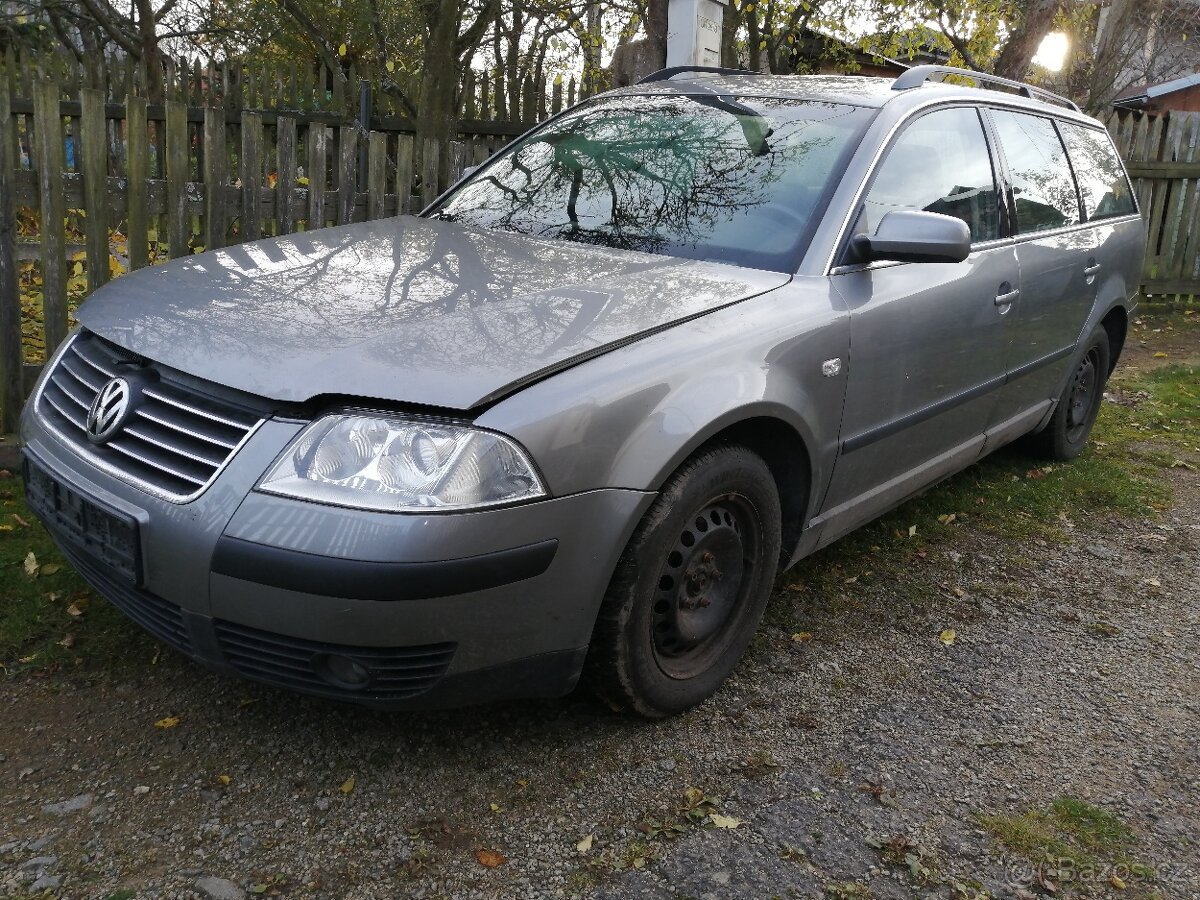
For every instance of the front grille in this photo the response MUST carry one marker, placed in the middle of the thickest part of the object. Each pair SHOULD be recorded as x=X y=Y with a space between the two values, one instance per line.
x=157 y=616
x=396 y=672
x=178 y=438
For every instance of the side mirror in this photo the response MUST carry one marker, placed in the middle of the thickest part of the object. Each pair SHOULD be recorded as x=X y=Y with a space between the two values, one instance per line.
x=914 y=236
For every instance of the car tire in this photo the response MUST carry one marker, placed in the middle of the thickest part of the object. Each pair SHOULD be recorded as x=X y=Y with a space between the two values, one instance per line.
x=1067 y=432
x=691 y=586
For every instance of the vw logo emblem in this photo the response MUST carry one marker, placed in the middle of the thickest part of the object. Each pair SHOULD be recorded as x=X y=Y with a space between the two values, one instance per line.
x=109 y=411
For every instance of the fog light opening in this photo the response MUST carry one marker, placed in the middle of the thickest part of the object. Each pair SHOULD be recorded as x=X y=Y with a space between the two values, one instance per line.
x=341 y=671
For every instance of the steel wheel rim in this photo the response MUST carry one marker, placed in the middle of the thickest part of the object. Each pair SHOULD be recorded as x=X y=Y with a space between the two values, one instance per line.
x=703 y=586
x=1082 y=395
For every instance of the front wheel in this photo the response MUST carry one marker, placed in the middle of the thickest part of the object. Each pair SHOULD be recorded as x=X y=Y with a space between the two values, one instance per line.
x=1064 y=438
x=691 y=586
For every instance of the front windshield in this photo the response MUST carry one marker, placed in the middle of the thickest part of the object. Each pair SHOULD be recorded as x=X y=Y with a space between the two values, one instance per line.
x=708 y=176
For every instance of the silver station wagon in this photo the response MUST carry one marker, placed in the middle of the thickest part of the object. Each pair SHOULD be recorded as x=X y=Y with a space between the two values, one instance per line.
x=572 y=420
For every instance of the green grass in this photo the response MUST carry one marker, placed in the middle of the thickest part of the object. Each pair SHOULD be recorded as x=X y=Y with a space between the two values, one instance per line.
x=38 y=632
x=1077 y=841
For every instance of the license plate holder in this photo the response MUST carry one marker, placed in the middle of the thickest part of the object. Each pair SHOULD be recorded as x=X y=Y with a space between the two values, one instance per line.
x=103 y=534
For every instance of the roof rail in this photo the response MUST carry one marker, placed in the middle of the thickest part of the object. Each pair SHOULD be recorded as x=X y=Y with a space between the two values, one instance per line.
x=671 y=71
x=918 y=75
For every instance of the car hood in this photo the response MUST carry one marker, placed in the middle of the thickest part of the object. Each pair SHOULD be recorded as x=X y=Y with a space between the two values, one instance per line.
x=404 y=309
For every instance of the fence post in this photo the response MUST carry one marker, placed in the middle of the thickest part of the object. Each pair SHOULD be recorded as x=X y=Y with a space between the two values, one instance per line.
x=347 y=172
x=93 y=134
x=429 y=171
x=48 y=137
x=12 y=356
x=376 y=186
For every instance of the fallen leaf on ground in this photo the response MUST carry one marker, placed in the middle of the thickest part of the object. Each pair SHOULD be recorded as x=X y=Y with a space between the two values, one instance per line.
x=168 y=722
x=802 y=637
x=68 y=641
x=494 y=807
x=224 y=779
x=490 y=858
x=78 y=608
x=948 y=636
x=49 y=569
x=347 y=785
x=1160 y=355
x=31 y=565
x=721 y=821
x=912 y=530
x=586 y=844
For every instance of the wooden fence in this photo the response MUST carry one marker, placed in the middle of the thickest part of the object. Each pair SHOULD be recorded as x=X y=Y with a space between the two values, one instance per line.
x=1163 y=157
x=96 y=180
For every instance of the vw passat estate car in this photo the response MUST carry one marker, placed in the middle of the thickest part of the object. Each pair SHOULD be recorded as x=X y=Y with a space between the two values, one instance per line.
x=571 y=420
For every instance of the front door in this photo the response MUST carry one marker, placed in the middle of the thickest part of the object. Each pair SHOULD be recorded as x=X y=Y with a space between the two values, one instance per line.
x=927 y=340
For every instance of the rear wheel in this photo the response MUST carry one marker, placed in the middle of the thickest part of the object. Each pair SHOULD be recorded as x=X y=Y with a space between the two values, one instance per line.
x=1067 y=433
x=691 y=586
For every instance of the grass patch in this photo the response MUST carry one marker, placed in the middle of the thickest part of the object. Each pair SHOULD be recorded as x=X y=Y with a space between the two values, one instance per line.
x=50 y=621
x=1072 y=841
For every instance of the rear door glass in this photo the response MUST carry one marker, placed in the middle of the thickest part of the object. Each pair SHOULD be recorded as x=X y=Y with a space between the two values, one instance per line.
x=1042 y=184
x=1102 y=182
x=939 y=164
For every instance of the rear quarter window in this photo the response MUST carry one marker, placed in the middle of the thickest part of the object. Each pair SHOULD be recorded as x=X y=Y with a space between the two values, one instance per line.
x=1102 y=181
x=1043 y=188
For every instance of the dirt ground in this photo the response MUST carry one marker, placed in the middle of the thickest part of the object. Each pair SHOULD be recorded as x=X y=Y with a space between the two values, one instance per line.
x=1004 y=718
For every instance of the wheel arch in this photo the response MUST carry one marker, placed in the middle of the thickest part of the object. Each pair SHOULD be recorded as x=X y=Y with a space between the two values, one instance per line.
x=779 y=439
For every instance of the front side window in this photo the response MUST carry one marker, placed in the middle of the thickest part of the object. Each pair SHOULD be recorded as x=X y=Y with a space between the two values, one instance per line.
x=1043 y=188
x=706 y=176
x=940 y=163
x=1102 y=182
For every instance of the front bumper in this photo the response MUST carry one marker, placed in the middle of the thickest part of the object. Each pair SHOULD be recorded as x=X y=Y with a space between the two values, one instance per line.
x=437 y=610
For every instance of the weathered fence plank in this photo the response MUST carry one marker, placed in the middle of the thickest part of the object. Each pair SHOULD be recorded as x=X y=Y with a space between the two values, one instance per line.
x=316 y=139
x=48 y=144
x=215 y=160
x=177 y=170
x=12 y=356
x=285 y=186
x=251 y=176
x=137 y=161
x=93 y=136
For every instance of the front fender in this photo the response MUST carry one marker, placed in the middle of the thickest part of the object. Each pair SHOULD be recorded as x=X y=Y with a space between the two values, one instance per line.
x=630 y=417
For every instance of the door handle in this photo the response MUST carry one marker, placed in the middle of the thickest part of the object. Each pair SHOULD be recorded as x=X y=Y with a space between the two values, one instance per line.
x=1091 y=270
x=1007 y=298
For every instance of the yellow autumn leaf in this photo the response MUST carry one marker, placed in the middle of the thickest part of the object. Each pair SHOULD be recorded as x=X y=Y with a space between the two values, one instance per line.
x=1160 y=355
x=168 y=722
x=1117 y=881
x=31 y=565
x=586 y=844
x=341 y=49
x=224 y=779
x=948 y=636
x=390 y=66
x=802 y=637
x=912 y=530
x=721 y=821
x=347 y=785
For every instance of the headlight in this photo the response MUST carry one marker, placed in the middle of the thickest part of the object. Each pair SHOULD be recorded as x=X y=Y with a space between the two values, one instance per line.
x=395 y=464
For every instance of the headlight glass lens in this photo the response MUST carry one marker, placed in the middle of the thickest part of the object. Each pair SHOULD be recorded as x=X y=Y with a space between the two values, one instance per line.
x=395 y=464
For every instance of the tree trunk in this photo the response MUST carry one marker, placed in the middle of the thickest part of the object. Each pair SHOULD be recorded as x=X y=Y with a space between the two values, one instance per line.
x=1022 y=44
x=439 y=79
x=656 y=29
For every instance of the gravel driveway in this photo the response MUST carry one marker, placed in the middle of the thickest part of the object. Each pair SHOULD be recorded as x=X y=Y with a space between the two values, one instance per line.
x=857 y=753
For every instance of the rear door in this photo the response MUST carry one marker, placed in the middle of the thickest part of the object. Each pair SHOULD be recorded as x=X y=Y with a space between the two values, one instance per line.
x=1057 y=253
x=928 y=340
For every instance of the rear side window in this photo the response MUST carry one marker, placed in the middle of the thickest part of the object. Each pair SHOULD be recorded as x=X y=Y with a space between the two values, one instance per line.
x=939 y=164
x=1102 y=182
x=1042 y=184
